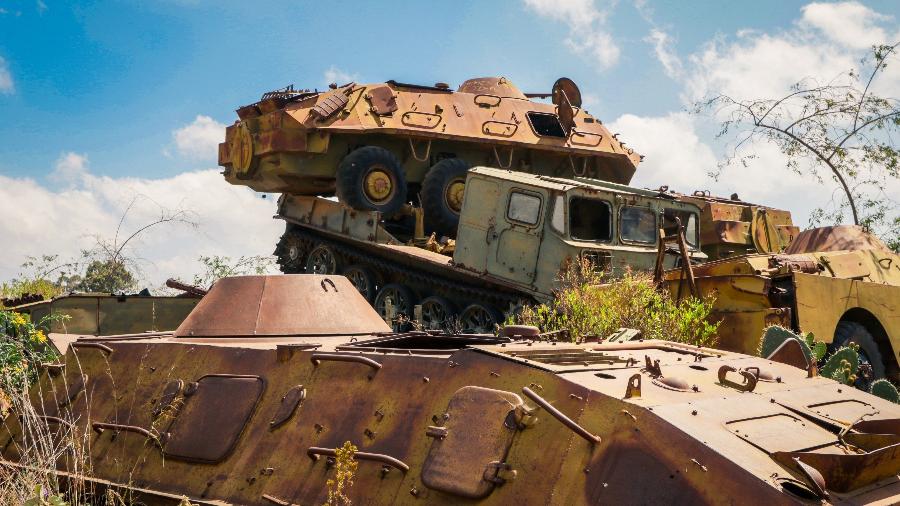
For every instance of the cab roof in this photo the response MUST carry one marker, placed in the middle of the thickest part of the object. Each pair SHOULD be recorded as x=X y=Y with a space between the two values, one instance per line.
x=564 y=184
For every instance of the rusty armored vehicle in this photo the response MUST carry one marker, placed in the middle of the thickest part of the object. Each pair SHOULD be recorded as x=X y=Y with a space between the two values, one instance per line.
x=250 y=400
x=107 y=314
x=731 y=227
x=379 y=146
x=840 y=283
x=516 y=231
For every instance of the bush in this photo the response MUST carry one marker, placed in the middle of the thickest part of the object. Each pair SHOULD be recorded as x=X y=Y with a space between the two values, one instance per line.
x=23 y=347
x=584 y=305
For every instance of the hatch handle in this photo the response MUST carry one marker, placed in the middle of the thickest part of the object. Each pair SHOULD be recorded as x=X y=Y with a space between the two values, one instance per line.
x=99 y=427
x=102 y=347
x=339 y=357
x=565 y=420
x=315 y=452
x=748 y=385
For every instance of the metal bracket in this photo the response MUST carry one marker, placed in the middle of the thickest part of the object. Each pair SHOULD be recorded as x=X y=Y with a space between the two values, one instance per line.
x=634 y=387
x=748 y=385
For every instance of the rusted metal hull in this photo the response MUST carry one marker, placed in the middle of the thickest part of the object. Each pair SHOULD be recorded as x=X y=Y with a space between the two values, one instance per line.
x=255 y=421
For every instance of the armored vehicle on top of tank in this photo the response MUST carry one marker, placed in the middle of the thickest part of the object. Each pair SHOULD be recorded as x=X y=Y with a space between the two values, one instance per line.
x=256 y=397
x=516 y=232
x=378 y=146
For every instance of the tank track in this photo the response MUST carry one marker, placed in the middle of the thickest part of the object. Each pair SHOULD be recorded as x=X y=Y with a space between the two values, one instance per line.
x=422 y=283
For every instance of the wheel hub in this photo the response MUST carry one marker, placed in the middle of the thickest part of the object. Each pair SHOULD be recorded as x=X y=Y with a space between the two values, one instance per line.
x=454 y=195
x=378 y=185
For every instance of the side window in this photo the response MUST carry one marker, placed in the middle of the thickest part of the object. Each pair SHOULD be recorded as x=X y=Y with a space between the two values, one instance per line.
x=688 y=221
x=558 y=220
x=590 y=219
x=524 y=208
x=638 y=224
x=545 y=124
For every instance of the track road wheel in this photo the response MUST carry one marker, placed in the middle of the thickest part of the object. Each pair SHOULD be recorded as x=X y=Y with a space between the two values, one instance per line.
x=401 y=299
x=869 y=354
x=442 y=195
x=370 y=179
x=290 y=253
x=437 y=313
x=478 y=319
x=363 y=279
x=321 y=260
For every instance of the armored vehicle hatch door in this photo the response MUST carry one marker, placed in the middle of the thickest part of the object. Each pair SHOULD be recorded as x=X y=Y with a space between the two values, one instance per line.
x=470 y=447
x=513 y=252
x=477 y=223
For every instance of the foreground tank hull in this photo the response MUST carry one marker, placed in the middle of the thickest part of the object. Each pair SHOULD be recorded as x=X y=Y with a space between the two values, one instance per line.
x=242 y=406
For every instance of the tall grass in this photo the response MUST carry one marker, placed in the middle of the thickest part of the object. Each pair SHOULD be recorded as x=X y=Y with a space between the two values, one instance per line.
x=587 y=304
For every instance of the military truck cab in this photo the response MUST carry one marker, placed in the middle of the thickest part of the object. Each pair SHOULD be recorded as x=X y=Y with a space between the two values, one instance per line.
x=522 y=227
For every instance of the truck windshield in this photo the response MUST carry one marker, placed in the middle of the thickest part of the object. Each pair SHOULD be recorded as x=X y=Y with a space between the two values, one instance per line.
x=688 y=221
x=590 y=219
x=638 y=224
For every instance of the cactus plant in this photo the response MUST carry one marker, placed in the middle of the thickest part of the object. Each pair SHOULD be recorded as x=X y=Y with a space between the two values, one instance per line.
x=885 y=389
x=842 y=365
x=775 y=335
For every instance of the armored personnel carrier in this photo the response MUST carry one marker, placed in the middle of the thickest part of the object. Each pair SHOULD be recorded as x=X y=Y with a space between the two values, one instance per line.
x=378 y=146
x=253 y=399
x=516 y=232
x=841 y=283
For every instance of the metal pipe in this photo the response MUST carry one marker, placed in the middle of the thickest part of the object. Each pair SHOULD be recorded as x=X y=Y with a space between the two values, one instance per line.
x=565 y=420
x=387 y=460
x=338 y=357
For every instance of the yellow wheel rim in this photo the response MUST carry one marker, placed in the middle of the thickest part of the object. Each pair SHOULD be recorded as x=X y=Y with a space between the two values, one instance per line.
x=454 y=195
x=241 y=149
x=378 y=185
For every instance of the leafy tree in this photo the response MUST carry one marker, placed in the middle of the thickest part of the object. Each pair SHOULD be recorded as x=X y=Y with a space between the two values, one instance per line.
x=839 y=130
x=218 y=267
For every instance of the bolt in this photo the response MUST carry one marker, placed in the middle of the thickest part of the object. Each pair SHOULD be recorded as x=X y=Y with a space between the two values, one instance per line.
x=319 y=428
x=694 y=412
x=425 y=379
x=414 y=492
x=495 y=374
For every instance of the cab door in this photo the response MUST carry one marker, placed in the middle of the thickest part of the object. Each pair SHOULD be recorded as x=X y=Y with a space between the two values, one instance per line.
x=515 y=239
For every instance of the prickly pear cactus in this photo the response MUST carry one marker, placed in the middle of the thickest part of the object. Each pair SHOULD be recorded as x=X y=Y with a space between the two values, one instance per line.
x=818 y=348
x=885 y=389
x=775 y=335
x=842 y=365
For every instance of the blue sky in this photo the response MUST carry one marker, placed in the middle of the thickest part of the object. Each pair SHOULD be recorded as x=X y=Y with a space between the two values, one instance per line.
x=134 y=94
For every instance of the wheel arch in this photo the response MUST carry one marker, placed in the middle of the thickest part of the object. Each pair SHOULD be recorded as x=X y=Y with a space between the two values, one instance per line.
x=871 y=323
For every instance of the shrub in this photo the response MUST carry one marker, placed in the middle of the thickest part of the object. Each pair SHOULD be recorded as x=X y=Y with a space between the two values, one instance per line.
x=23 y=347
x=584 y=305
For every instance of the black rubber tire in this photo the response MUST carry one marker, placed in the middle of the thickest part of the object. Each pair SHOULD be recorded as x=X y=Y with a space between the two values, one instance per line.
x=852 y=332
x=350 y=180
x=439 y=216
x=404 y=306
x=434 y=305
x=479 y=319
x=363 y=279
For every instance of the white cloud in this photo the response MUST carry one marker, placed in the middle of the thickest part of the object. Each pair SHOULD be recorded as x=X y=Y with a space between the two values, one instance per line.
x=851 y=24
x=41 y=6
x=588 y=33
x=200 y=139
x=673 y=153
x=70 y=168
x=334 y=75
x=7 y=86
x=232 y=220
x=662 y=48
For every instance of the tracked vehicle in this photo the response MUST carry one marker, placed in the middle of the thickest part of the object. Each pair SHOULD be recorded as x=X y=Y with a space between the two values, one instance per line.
x=516 y=232
x=378 y=146
x=250 y=399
